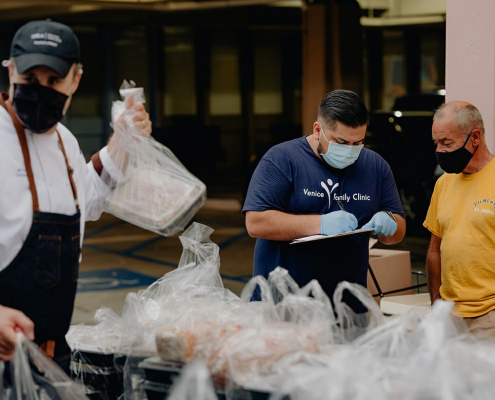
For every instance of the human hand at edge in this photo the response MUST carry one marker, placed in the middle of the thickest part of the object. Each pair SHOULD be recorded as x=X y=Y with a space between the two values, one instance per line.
x=382 y=223
x=132 y=125
x=141 y=117
x=11 y=322
x=337 y=222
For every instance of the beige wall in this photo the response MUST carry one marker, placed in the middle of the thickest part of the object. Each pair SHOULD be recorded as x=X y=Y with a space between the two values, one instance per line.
x=470 y=58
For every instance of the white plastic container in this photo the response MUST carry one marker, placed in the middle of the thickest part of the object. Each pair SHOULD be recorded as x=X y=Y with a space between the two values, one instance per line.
x=157 y=200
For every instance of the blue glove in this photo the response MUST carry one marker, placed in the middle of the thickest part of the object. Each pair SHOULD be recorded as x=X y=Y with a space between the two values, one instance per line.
x=382 y=223
x=338 y=222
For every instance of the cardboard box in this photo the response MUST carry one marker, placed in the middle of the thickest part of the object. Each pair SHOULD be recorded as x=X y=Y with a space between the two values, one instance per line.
x=392 y=269
x=402 y=304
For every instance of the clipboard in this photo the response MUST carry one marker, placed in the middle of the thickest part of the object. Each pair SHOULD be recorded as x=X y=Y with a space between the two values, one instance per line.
x=321 y=237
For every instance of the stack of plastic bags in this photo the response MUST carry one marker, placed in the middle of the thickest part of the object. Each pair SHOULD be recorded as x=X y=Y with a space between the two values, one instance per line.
x=405 y=358
x=189 y=299
x=188 y=314
x=295 y=343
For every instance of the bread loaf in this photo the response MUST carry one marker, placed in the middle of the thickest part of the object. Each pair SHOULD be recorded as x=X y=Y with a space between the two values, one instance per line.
x=197 y=341
x=253 y=351
x=175 y=344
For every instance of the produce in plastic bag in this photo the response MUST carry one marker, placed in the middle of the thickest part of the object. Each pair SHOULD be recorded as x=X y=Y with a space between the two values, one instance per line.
x=31 y=375
x=154 y=191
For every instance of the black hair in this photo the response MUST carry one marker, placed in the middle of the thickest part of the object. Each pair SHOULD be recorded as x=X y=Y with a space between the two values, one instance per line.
x=343 y=106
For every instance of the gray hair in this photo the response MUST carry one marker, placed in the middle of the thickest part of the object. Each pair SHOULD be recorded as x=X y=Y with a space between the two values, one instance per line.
x=466 y=116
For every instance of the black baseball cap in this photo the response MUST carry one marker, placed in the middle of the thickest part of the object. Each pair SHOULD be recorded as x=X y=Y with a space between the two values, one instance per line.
x=51 y=44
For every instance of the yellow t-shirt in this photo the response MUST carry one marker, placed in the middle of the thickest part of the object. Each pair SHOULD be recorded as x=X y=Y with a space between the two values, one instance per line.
x=462 y=213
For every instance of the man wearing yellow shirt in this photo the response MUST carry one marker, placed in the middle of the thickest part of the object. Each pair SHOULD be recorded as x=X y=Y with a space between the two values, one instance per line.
x=461 y=217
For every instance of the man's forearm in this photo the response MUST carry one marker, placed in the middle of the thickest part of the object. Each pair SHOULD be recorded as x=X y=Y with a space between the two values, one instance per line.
x=399 y=233
x=434 y=270
x=277 y=225
x=97 y=164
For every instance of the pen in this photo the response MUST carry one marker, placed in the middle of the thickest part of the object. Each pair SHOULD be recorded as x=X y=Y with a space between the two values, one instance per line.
x=341 y=205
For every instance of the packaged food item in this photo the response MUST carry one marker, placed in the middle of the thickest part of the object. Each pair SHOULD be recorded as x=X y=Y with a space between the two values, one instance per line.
x=252 y=351
x=175 y=344
x=151 y=187
x=156 y=199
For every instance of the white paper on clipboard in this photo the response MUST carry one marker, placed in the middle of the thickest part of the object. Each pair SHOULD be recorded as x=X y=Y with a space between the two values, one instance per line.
x=320 y=237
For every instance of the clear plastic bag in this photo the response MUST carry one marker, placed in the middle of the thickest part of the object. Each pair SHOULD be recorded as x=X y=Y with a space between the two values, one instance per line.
x=194 y=384
x=350 y=324
x=153 y=189
x=97 y=373
x=407 y=357
x=288 y=320
x=31 y=375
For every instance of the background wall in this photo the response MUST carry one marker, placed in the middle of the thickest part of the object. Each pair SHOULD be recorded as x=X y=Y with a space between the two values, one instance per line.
x=470 y=64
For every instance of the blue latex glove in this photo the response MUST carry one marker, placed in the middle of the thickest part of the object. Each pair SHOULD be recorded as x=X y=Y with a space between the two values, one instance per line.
x=338 y=222
x=382 y=224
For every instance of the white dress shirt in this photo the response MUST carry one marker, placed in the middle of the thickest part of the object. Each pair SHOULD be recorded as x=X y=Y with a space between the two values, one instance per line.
x=52 y=183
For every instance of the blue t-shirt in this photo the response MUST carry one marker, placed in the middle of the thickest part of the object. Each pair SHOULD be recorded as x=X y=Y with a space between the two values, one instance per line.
x=292 y=179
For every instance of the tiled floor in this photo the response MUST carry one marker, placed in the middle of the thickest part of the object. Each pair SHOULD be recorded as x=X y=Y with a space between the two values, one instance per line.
x=119 y=258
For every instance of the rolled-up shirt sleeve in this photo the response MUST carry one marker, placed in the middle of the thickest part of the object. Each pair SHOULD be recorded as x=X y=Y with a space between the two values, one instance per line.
x=109 y=166
x=95 y=191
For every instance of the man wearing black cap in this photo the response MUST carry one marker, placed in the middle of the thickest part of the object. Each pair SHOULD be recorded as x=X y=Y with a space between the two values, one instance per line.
x=47 y=189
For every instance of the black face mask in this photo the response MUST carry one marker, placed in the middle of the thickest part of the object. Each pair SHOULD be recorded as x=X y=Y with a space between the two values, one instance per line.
x=38 y=107
x=456 y=161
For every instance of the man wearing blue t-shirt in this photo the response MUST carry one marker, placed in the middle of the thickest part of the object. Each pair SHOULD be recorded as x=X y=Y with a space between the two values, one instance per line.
x=296 y=189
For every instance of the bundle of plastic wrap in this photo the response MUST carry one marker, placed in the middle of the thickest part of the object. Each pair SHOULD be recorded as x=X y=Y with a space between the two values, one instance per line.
x=31 y=375
x=154 y=190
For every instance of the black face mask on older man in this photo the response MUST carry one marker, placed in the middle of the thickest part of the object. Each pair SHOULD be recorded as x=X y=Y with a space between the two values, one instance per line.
x=455 y=161
x=38 y=107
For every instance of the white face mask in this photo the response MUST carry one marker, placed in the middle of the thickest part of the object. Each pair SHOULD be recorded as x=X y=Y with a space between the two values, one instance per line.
x=340 y=155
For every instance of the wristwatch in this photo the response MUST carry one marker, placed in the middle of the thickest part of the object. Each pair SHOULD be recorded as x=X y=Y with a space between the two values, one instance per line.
x=389 y=213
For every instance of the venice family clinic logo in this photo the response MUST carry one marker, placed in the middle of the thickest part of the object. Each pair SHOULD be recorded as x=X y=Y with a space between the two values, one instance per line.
x=329 y=191
x=328 y=187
